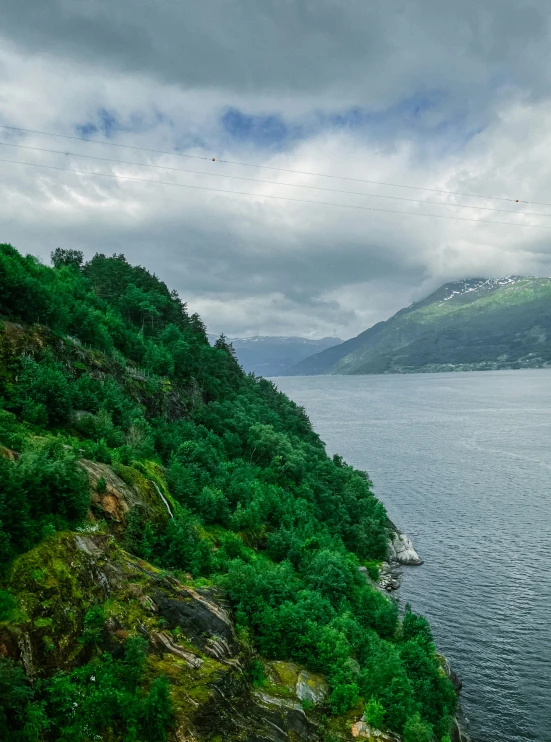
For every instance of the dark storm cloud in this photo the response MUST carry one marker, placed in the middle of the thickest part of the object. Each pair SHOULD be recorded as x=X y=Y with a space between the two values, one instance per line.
x=370 y=52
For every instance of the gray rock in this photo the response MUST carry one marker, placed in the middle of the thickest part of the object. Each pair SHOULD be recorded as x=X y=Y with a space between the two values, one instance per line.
x=311 y=687
x=402 y=550
x=282 y=718
x=200 y=619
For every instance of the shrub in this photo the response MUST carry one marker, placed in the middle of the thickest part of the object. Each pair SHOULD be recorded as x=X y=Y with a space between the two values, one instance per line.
x=417 y=730
x=374 y=713
x=7 y=605
x=43 y=392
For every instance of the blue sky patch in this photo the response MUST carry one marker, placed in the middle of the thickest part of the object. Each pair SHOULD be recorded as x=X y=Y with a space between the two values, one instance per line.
x=269 y=131
x=106 y=123
x=425 y=118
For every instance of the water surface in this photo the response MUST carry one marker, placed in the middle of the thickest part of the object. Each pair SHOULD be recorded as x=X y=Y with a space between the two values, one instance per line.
x=463 y=464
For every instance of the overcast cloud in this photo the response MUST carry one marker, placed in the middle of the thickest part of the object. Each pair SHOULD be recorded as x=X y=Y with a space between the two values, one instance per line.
x=440 y=95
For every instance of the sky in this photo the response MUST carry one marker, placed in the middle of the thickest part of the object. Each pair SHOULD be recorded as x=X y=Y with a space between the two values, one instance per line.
x=436 y=95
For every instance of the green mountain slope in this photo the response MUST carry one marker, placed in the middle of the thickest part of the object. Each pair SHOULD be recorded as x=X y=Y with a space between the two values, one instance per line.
x=475 y=324
x=179 y=558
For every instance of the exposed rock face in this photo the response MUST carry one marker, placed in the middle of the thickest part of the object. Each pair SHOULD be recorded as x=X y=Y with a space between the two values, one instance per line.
x=402 y=550
x=458 y=734
x=205 y=623
x=292 y=680
x=190 y=634
x=362 y=730
x=283 y=718
x=123 y=491
x=312 y=688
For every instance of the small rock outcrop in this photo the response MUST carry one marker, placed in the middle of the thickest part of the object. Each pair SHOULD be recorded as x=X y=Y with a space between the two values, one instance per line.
x=402 y=551
x=311 y=687
x=362 y=730
x=116 y=492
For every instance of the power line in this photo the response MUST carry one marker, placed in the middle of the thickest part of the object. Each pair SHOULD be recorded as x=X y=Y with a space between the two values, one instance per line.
x=262 y=195
x=97 y=141
x=269 y=182
x=271 y=167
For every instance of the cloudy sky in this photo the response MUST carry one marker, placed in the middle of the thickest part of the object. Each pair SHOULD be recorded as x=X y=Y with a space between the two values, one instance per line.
x=433 y=94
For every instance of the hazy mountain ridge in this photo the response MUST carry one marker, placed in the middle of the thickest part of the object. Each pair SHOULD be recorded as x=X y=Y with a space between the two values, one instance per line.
x=473 y=324
x=274 y=355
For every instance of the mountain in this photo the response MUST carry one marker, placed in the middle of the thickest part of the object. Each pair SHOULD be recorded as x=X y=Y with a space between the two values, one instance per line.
x=475 y=324
x=180 y=559
x=274 y=356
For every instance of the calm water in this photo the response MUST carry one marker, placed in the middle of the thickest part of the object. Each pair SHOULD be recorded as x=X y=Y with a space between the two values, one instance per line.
x=463 y=465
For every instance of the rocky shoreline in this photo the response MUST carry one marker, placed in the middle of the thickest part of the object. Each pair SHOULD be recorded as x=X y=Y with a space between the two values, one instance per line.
x=402 y=553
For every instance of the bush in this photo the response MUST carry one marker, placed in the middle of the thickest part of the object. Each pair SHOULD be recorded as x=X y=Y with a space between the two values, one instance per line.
x=43 y=392
x=416 y=627
x=44 y=490
x=374 y=713
x=333 y=574
x=258 y=676
x=416 y=730
x=181 y=547
x=15 y=696
x=7 y=605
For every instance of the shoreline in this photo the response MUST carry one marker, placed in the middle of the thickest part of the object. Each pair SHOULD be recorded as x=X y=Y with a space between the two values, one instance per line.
x=402 y=553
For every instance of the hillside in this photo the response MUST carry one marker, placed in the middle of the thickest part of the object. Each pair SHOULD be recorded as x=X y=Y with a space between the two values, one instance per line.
x=179 y=558
x=274 y=356
x=476 y=324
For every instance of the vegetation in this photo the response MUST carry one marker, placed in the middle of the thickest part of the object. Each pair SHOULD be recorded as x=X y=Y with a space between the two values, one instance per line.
x=470 y=325
x=100 y=361
x=99 y=700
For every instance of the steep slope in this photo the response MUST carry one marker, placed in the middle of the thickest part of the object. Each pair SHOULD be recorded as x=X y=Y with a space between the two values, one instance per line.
x=475 y=324
x=179 y=558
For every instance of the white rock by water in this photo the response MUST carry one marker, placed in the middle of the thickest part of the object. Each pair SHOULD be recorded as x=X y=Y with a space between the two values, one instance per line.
x=403 y=551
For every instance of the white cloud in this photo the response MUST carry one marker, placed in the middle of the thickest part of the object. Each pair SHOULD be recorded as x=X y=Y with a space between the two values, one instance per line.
x=253 y=265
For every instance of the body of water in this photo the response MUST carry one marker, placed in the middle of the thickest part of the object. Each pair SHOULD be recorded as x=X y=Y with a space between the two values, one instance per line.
x=462 y=463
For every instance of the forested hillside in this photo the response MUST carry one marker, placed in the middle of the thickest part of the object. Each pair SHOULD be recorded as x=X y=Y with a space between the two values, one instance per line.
x=176 y=547
x=472 y=325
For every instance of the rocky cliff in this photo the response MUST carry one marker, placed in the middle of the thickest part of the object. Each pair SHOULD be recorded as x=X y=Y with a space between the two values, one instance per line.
x=190 y=632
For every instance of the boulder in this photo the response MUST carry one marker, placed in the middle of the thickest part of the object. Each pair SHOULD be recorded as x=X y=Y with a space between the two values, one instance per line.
x=311 y=687
x=401 y=550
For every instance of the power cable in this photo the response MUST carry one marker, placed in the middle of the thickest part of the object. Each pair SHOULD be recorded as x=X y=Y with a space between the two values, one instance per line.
x=271 y=167
x=261 y=195
x=268 y=182
x=97 y=141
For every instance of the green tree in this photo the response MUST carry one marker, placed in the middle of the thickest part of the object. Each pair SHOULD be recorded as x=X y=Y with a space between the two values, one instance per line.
x=417 y=730
x=374 y=713
x=61 y=257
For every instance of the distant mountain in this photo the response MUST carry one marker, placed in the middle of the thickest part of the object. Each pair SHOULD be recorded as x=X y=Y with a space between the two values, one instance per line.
x=475 y=324
x=273 y=356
